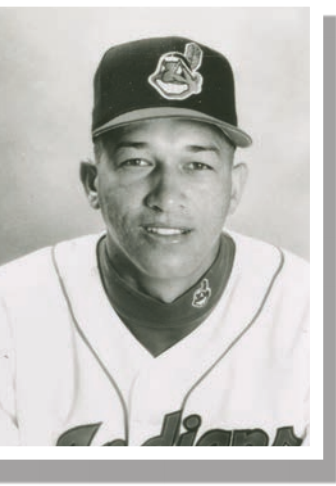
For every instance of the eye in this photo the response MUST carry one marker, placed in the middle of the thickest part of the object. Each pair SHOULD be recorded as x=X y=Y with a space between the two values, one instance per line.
x=199 y=166
x=135 y=163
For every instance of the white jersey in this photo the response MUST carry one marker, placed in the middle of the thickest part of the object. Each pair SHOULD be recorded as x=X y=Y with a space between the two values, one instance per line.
x=71 y=373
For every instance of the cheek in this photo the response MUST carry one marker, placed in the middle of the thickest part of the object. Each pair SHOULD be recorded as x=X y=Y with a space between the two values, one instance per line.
x=212 y=205
x=118 y=205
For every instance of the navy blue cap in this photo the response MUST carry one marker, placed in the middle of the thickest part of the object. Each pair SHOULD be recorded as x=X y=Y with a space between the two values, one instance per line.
x=165 y=77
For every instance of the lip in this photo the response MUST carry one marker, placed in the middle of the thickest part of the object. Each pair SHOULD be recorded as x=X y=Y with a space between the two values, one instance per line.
x=166 y=233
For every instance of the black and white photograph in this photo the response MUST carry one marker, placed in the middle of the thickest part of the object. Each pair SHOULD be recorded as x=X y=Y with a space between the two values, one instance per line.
x=155 y=227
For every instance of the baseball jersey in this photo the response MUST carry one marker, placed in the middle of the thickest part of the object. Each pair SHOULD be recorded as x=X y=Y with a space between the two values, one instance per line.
x=72 y=374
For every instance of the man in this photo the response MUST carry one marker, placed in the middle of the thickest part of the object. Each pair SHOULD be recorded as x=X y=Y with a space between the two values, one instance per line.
x=164 y=330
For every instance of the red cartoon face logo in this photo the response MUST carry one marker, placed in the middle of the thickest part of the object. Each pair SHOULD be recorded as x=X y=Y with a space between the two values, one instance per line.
x=176 y=76
x=202 y=294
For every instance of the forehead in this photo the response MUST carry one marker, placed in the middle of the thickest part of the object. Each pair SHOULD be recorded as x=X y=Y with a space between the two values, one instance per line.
x=173 y=130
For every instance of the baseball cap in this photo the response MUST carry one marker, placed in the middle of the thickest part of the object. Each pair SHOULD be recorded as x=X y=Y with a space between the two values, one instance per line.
x=165 y=77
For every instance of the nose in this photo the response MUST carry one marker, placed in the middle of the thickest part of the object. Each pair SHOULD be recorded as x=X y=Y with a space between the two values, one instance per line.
x=166 y=191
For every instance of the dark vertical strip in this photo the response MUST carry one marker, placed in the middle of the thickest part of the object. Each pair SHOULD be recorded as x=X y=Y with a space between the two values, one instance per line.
x=329 y=105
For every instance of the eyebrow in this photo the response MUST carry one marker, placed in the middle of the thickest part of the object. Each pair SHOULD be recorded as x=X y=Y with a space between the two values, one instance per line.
x=127 y=144
x=203 y=148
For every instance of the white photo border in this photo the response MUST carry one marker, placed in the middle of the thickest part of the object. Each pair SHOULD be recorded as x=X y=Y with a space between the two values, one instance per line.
x=306 y=463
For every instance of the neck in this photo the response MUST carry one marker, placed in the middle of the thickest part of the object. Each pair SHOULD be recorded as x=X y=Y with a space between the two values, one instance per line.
x=163 y=289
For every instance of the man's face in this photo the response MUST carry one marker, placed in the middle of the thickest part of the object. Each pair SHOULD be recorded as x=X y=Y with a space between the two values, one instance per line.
x=165 y=188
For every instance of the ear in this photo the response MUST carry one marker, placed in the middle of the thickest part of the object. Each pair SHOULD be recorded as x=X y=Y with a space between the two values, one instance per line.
x=89 y=175
x=239 y=178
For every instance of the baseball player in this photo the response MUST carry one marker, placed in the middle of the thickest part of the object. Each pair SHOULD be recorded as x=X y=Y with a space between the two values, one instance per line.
x=165 y=329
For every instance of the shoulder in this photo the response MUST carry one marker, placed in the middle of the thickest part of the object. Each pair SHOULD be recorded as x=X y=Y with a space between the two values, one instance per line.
x=75 y=251
x=284 y=278
x=25 y=271
x=254 y=253
x=30 y=290
x=36 y=270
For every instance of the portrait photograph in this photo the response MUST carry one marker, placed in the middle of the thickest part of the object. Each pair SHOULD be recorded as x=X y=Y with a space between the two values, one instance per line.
x=155 y=233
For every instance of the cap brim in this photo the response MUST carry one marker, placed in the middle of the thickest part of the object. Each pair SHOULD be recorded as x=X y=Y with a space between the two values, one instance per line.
x=236 y=135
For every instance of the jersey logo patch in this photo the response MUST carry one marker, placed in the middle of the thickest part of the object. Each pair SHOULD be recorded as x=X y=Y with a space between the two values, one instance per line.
x=176 y=76
x=173 y=433
x=202 y=294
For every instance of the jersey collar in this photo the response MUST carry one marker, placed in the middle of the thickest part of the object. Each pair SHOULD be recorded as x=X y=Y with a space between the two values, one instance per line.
x=194 y=305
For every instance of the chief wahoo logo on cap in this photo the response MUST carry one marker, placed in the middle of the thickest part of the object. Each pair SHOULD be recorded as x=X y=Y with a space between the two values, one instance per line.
x=176 y=76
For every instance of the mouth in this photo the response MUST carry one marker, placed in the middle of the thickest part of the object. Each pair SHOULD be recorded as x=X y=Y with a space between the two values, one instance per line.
x=166 y=232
